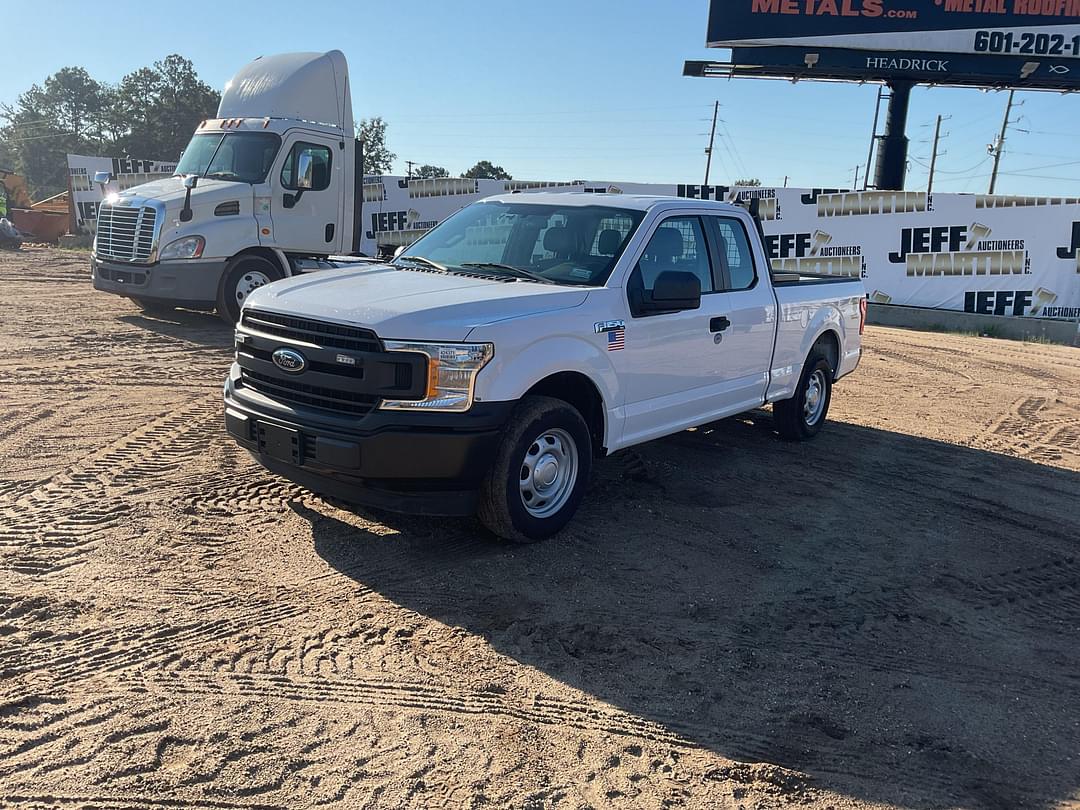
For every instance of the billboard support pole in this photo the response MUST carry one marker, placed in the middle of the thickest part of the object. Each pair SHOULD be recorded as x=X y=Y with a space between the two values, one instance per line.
x=893 y=147
x=873 y=139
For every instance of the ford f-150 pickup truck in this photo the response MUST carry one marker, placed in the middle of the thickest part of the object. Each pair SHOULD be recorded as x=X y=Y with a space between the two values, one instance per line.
x=486 y=366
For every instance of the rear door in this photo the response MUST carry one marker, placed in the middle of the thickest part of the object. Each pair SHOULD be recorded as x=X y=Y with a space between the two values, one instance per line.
x=745 y=347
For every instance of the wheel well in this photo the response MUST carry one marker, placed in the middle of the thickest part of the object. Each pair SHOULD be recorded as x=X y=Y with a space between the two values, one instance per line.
x=264 y=253
x=578 y=390
x=830 y=344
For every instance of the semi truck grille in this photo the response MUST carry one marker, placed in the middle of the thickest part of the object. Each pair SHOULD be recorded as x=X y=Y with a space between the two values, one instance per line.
x=126 y=234
x=318 y=333
x=298 y=393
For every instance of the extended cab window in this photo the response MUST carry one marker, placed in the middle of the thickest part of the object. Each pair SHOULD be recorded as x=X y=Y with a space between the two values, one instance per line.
x=320 y=166
x=678 y=244
x=733 y=247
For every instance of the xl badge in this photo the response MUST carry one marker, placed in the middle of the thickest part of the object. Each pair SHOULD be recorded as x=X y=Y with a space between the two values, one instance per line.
x=288 y=360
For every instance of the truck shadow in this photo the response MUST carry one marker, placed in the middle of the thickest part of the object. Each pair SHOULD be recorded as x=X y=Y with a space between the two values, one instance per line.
x=186 y=325
x=896 y=617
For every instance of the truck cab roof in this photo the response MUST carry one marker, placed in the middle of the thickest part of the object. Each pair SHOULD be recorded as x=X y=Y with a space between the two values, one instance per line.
x=637 y=202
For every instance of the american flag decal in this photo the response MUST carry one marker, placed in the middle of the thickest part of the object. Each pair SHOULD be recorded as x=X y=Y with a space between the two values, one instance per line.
x=616 y=340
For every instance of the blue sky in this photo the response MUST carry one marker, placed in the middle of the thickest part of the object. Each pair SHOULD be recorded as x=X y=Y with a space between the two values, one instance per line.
x=559 y=90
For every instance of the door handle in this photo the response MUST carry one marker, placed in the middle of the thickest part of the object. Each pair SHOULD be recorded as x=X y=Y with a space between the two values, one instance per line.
x=719 y=324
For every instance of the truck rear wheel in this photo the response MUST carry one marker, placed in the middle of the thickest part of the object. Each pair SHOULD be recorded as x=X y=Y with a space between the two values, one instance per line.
x=242 y=276
x=540 y=472
x=802 y=416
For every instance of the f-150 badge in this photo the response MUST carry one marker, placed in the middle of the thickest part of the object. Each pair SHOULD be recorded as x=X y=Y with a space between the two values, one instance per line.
x=608 y=326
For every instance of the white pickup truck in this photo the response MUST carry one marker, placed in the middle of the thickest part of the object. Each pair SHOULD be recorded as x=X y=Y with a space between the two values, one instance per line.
x=485 y=368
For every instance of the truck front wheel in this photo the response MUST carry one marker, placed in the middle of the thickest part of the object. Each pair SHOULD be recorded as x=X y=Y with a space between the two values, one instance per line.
x=540 y=472
x=242 y=276
x=802 y=416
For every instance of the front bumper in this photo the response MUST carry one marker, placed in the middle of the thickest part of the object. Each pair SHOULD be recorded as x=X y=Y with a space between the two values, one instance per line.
x=417 y=463
x=192 y=283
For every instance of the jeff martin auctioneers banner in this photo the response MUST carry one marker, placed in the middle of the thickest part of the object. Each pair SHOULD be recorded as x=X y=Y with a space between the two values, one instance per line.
x=991 y=255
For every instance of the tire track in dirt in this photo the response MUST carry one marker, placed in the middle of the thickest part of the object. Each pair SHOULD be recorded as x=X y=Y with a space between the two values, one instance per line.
x=584 y=714
x=49 y=525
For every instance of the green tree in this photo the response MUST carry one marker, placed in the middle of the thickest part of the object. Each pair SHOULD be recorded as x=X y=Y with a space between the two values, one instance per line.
x=427 y=171
x=485 y=170
x=753 y=182
x=377 y=156
x=48 y=121
x=151 y=113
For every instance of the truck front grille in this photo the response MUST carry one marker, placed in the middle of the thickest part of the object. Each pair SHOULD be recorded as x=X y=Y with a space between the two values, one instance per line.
x=318 y=333
x=126 y=234
x=311 y=396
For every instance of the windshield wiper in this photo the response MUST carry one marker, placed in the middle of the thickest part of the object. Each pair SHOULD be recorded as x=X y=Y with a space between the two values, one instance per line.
x=422 y=260
x=223 y=176
x=519 y=272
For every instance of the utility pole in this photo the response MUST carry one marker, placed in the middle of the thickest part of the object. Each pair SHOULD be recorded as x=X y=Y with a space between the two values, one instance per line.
x=934 y=156
x=712 y=137
x=998 y=146
x=873 y=137
x=855 y=182
x=410 y=164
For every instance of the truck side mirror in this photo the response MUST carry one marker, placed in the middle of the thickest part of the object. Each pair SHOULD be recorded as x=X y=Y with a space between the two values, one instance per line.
x=673 y=291
x=305 y=169
x=103 y=179
x=305 y=175
x=190 y=182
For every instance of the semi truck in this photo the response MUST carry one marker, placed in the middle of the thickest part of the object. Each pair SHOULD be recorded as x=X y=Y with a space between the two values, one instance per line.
x=485 y=367
x=269 y=186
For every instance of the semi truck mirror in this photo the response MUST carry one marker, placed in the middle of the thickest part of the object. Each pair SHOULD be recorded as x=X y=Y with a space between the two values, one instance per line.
x=305 y=168
x=190 y=182
x=103 y=178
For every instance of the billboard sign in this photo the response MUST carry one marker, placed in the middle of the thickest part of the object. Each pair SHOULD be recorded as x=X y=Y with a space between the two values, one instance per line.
x=845 y=64
x=1023 y=28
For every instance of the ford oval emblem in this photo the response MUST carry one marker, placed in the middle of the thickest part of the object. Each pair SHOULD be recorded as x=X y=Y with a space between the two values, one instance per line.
x=290 y=361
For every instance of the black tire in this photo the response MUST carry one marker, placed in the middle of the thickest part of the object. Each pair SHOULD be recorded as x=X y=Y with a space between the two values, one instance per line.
x=153 y=307
x=502 y=506
x=242 y=275
x=798 y=419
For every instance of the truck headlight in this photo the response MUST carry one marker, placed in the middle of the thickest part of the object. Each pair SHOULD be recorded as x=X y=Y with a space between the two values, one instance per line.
x=189 y=247
x=451 y=376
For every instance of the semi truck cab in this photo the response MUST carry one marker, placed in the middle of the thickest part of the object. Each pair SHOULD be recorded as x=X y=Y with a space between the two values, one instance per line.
x=273 y=180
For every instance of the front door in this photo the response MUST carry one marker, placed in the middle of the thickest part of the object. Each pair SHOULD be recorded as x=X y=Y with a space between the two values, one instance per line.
x=306 y=208
x=670 y=368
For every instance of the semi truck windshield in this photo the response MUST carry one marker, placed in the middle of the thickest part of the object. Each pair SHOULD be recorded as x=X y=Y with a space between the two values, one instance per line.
x=245 y=157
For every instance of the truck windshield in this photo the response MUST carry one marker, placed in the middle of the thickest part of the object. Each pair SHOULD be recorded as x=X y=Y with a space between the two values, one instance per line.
x=245 y=157
x=565 y=244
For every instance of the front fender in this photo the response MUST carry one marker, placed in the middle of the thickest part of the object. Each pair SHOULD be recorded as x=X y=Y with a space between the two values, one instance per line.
x=516 y=369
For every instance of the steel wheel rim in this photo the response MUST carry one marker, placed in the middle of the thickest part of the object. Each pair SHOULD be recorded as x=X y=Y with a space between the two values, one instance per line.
x=548 y=473
x=249 y=283
x=814 y=399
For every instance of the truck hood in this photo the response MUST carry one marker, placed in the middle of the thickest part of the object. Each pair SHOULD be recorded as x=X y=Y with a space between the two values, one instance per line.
x=409 y=304
x=171 y=189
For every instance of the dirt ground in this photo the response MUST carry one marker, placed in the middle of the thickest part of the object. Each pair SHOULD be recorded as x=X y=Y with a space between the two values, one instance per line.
x=888 y=616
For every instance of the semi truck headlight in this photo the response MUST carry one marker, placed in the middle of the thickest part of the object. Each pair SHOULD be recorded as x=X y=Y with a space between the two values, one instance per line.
x=451 y=375
x=190 y=247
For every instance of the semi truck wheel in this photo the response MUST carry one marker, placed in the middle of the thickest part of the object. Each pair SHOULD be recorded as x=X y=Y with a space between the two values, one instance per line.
x=802 y=416
x=242 y=276
x=540 y=472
